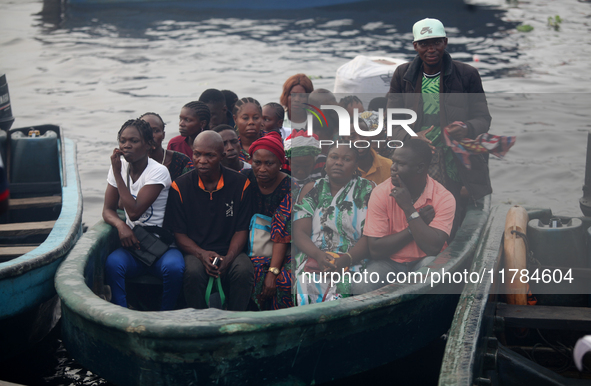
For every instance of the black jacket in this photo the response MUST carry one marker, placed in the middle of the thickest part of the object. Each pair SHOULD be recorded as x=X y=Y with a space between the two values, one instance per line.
x=461 y=99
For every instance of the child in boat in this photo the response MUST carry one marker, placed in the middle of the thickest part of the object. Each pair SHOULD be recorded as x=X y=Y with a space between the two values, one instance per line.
x=248 y=116
x=273 y=115
x=350 y=103
x=141 y=185
x=194 y=118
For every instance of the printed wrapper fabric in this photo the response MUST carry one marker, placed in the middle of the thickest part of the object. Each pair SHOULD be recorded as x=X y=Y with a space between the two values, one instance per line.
x=497 y=145
x=280 y=233
x=337 y=225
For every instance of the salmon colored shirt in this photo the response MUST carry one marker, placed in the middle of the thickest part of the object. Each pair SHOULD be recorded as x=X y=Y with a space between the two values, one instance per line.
x=384 y=216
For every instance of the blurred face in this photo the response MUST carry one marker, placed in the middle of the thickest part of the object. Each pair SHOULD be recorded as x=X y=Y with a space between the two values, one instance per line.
x=297 y=97
x=341 y=164
x=206 y=157
x=157 y=129
x=218 y=113
x=132 y=144
x=231 y=145
x=248 y=121
x=190 y=125
x=265 y=166
x=301 y=167
x=270 y=120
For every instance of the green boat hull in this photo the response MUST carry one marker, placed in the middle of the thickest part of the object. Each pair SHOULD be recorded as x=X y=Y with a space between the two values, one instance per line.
x=300 y=345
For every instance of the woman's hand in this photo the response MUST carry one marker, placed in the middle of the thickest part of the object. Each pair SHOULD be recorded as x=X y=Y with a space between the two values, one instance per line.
x=116 y=161
x=269 y=286
x=127 y=237
x=325 y=262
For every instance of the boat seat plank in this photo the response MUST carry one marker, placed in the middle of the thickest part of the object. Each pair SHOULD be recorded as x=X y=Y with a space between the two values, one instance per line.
x=26 y=228
x=35 y=202
x=546 y=317
x=9 y=253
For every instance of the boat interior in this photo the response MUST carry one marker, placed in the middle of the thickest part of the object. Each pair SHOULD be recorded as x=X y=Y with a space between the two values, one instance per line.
x=33 y=161
x=533 y=343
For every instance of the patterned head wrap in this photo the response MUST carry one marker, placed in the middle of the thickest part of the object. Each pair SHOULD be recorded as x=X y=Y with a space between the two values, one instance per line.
x=299 y=144
x=271 y=142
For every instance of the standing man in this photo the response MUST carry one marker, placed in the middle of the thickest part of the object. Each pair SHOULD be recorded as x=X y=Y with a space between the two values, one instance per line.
x=445 y=94
x=409 y=216
x=209 y=211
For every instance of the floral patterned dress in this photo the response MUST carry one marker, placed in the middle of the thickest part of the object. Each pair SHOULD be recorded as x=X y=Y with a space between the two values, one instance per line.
x=276 y=205
x=337 y=224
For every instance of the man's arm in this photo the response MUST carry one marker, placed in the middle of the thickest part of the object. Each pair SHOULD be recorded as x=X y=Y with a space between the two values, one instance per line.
x=237 y=244
x=383 y=247
x=396 y=100
x=189 y=247
x=478 y=120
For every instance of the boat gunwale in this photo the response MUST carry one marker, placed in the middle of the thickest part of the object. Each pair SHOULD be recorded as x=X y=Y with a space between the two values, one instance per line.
x=67 y=228
x=79 y=298
x=464 y=338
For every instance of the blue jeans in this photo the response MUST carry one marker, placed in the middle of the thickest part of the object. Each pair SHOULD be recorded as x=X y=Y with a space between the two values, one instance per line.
x=170 y=267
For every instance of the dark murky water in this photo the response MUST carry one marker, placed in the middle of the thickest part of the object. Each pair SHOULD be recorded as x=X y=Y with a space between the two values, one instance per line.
x=89 y=69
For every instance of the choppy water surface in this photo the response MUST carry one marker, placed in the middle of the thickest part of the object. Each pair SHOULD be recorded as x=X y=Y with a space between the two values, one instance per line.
x=89 y=69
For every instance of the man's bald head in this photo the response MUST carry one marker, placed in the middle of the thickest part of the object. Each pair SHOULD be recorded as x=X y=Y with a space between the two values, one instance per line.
x=209 y=139
x=208 y=152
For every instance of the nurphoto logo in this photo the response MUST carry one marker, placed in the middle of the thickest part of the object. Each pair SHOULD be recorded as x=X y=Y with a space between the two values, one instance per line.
x=345 y=122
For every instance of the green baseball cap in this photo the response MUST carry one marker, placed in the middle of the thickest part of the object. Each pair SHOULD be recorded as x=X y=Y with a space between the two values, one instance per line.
x=427 y=29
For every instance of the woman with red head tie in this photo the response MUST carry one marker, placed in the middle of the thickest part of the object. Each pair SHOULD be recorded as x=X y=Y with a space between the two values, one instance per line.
x=272 y=195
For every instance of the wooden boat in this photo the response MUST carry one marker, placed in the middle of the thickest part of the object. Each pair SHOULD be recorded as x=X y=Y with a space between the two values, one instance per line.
x=303 y=345
x=492 y=342
x=43 y=222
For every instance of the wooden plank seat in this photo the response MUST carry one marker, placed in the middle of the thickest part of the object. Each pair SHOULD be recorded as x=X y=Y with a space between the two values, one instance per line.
x=545 y=317
x=26 y=228
x=12 y=251
x=35 y=202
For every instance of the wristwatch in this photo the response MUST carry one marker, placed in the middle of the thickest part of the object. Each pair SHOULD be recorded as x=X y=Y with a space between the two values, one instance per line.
x=275 y=271
x=412 y=216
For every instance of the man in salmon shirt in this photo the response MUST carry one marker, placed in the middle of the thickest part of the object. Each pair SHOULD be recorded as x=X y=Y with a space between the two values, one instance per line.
x=409 y=216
